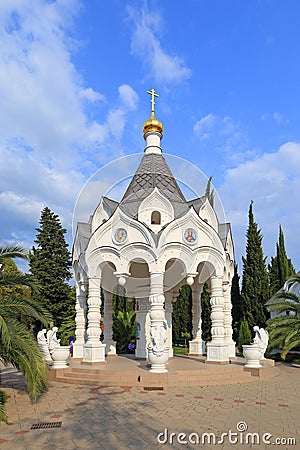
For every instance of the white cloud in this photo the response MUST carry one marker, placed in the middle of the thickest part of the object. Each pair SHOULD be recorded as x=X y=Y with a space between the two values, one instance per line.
x=128 y=96
x=273 y=182
x=91 y=95
x=277 y=117
x=205 y=126
x=145 y=43
x=225 y=136
x=48 y=142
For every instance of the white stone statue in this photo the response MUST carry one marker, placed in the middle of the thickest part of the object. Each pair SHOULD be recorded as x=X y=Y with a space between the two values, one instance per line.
x=261 y=338
x=43 y=345
x=159 y=339
x=53 y=341
x=41 y=337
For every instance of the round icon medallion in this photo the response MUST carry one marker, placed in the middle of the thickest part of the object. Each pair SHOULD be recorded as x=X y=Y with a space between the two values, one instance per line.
x=190 y=235
x=120 y=235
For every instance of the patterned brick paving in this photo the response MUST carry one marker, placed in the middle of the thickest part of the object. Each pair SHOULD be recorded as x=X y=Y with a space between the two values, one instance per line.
x=123 y=418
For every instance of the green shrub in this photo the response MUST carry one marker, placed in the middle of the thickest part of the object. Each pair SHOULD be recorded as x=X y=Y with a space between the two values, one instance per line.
x=244 y=336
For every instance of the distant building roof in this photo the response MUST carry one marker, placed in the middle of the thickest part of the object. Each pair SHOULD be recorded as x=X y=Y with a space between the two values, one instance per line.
x=289 y=286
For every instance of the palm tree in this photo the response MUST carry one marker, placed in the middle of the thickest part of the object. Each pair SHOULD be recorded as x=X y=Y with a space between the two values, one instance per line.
x=284 y=329
x=18 y=345
x=123 y=329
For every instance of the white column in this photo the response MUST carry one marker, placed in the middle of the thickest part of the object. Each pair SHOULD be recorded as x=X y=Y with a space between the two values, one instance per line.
x=197 y=346
x=111 y=347
x=168 y=312
x=228 y=319
x=80 y=308
x=217 y=349
x=94 y=350
x=158 y=353
x=143 y=324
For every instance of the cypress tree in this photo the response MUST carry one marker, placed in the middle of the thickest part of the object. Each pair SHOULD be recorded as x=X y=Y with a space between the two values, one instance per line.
x=50 y=263
x=255 y=283
x=244 y=336
x=236 y=303
x=206 y=314
x=182 y=323
x=209 y=193
x=281 y=267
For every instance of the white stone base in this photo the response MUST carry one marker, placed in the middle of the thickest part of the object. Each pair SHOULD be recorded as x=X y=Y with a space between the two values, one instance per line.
x=94 y=352
x=78 y=350
x=231 y=349
x=217 y=352
x=111 y=347
x=171 y=352
x=196 y=347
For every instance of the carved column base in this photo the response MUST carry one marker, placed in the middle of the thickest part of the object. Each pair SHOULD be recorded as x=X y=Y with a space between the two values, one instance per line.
x=158 y=361
x=111 y=347
x=94 y=352
x=217 y=353
x=196 y=347
x=78 y=350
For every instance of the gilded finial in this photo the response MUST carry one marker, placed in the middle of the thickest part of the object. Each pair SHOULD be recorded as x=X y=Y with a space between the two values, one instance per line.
x=153 y=124
x=152 y=101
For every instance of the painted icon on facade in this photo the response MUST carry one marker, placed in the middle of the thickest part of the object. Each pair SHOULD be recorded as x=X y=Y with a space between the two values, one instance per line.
x=120 y=235
x=190 y=235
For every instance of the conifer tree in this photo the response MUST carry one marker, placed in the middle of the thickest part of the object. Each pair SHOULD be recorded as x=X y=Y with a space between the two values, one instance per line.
x=206 y=314
x=50 y=263
x=236 y=303
x=244 y=336
x=255 y=283
x=209 y=193
x=182 y=323
x=281 y=267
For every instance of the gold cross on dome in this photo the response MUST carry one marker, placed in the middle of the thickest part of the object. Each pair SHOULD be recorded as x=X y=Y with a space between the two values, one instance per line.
x=153 y=94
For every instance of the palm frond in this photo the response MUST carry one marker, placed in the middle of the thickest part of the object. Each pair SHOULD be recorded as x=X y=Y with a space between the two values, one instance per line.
x=8 y=279
x=24 y=354
x=286 y=296
x=15 y=251
x=13 y=305
x=3 y=398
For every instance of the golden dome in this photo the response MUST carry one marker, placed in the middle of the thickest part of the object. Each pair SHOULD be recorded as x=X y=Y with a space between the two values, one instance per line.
x=153 y=125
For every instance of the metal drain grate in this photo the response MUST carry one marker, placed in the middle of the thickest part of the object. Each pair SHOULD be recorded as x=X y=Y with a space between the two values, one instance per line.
x=42 y=425
x=153 y=388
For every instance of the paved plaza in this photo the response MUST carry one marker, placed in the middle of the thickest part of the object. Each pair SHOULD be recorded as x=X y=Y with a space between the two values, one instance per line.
x=107 y=418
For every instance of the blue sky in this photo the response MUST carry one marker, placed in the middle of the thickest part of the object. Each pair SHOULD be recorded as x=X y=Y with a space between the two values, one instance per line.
x=73 y=82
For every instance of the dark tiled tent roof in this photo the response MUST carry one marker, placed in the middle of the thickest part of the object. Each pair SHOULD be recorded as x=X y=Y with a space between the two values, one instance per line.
x=152 y=172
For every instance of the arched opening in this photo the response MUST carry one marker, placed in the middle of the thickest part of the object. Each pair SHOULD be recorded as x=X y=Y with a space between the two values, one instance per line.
x=155 y=218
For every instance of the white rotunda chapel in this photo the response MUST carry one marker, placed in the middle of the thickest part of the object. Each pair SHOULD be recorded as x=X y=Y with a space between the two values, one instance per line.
x=152 y=242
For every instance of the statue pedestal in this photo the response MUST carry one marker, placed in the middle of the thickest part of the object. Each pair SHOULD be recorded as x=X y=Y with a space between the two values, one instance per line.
x=94 y=352
x=158 y=360
x=197 y=347
x=217 y=353
x=110 y=347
